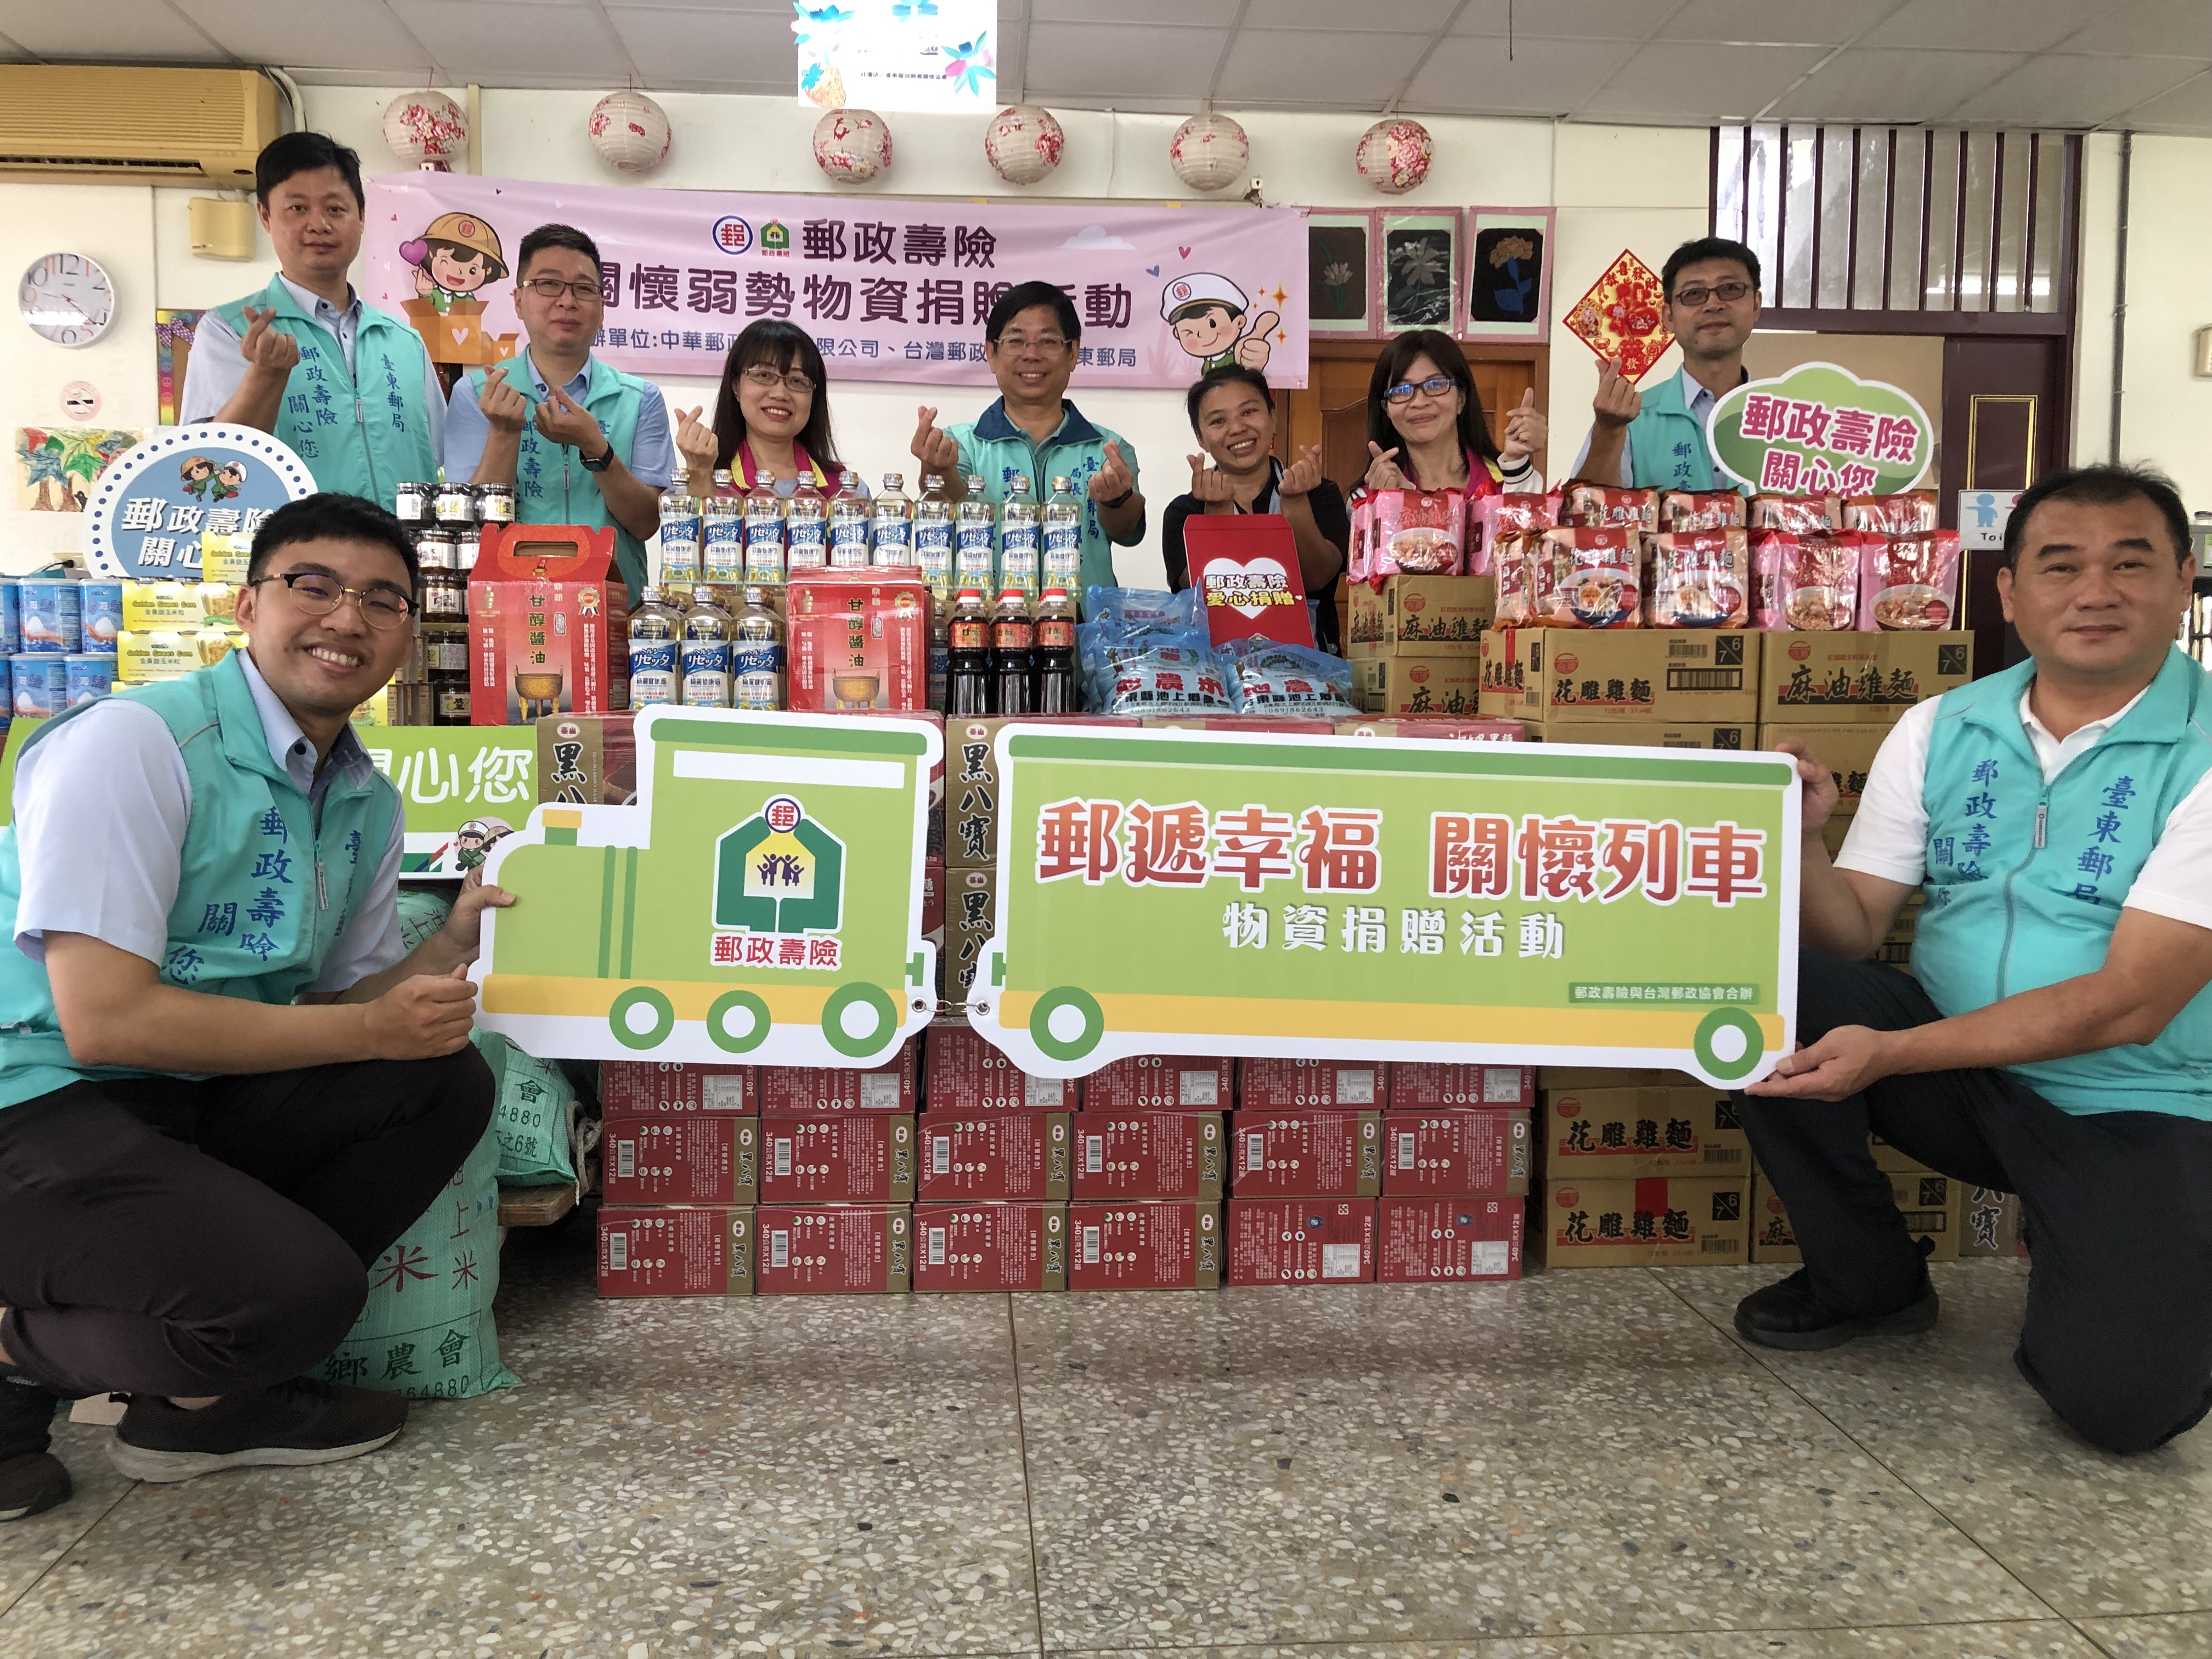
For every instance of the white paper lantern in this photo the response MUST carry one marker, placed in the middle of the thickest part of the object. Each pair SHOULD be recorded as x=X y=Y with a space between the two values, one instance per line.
x=1023 y=143
x=424 y=127
x=852 y=145
x=629 y=130
x=1395 y=154
x=1209 y=151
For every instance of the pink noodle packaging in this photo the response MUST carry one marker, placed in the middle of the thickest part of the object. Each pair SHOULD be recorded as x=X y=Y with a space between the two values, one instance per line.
x=1909 y=582
x=1797 y=514
x=1902 y=514
x=1413 y=532
x=1600 y=507
x=1587 y=577
x=1690 y=509
x=1700 y=579
x=1806 y=583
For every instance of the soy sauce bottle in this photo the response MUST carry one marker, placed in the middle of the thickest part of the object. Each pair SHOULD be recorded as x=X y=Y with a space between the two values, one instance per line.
x=968 y=656
x=1013 y=640
x=1056 y=692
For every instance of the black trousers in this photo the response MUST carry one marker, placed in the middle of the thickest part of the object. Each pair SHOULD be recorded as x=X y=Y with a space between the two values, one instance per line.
x=2118 y=1331
x=204 y=1238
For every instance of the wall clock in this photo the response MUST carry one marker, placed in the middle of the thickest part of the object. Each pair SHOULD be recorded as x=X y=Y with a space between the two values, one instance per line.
x=66 y=298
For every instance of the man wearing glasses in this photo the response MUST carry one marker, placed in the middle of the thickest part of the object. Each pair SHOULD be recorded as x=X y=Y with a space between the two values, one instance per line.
x=1657 y=439
x=581 y=443
x=1033 y=431
x=226 y=1087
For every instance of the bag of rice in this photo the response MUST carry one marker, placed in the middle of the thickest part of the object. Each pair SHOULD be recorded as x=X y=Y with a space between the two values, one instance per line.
x=534 y=1115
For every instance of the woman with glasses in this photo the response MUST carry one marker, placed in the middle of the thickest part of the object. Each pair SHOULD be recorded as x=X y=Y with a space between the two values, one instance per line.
x=771 y=418
x=1425 y=429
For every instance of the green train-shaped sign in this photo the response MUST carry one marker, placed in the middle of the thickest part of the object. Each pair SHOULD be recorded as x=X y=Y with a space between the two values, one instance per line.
x=761 y=899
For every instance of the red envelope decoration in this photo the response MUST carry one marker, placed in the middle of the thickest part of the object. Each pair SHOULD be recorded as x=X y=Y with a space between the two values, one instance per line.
x=1245 y=566
x=1623 y=318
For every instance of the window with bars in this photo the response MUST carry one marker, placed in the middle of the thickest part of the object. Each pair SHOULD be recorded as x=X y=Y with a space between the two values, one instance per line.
x=1901 y=218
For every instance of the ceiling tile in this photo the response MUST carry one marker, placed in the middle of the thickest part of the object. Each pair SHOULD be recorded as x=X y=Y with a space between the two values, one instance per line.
x=2053 y=91
x=147 y=31
x=1566 y=20
x=2019 y=25
x=1105 y=60
x=1300 y=66
x=2186 y=109
x=1472 y=77
x=1398 y=17
x=1676 y=80
x=1197 y=13
x=1861 y=85
x=286 y=32
x=494 y=43
x=1809 y=23
x=666 y=42
x=2148 y=28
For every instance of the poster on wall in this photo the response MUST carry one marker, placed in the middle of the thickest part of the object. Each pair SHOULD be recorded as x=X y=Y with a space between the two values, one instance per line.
x=172 y=351
x=898 y=54
x=1421 y=259
x=150 y=508
x=1509 y=263
x=55 y=467
x=1340 y=272
x=890 y=289
x=1821 y=428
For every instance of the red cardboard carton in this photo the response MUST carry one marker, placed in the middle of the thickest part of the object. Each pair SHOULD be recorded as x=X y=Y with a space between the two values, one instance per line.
x=1430 y=1240
x=964 y=1073
x=1147 y=1082
x=804 y=1090
x=1148 y=1155
x=971 y=781
x=1306 y=1152
x=1455 y=1150
x=1446 y=726
x=841 y=1159
x=1004 y=1156
x=990 y=1247
x=681 y=1160
x=676 y=1251
x=1301 y=1241
x=1266 y=1084
x=857 y=639
x=549 y=626
x=833 y=1249
x=647 y=1088
x=1419 y=1085
x=1139 y=1246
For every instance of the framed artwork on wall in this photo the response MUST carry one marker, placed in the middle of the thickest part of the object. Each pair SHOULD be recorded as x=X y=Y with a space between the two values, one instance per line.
x=173 y=349
x=1508 y=287
x=1420 y=271
x=1341 y=272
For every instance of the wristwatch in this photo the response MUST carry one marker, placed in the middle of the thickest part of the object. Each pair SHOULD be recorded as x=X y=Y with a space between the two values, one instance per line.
x=605 y=460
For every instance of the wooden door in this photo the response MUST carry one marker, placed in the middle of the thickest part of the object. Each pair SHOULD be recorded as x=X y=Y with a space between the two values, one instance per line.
x=2003 y=428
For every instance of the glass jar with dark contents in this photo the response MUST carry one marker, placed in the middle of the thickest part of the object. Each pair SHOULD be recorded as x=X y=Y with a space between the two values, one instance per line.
x=444 y=598
x=495 y=503
x=447 y=649
x=411 y=503
x=456 y=504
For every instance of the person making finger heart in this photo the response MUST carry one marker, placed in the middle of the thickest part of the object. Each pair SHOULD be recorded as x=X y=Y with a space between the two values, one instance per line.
x=581 y=442
x=1425 y=429
x=771 y=421
x=1033 y=431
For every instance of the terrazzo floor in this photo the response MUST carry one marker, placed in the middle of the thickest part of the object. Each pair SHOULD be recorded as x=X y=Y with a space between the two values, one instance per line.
x=1582 y=1466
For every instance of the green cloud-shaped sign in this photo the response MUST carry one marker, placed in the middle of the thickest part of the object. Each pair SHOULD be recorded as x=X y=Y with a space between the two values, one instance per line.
x=1821 y=428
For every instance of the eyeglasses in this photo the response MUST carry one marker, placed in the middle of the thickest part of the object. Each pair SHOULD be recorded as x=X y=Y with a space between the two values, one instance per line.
x=798 y=384
x=1045 y=345
x=319 y=595
x=552 y=287
x=1728 y=293
x=1435 y=386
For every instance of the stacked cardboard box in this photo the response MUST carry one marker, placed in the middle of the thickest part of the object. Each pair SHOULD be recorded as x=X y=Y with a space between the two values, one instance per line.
x=1932 y=1203
x=1456 y=1162
x=1149 y=1173
x=1415 y=642
x=991 y=1210
x=1306 y=1168
x=1641 y=1168
x=837 y=1178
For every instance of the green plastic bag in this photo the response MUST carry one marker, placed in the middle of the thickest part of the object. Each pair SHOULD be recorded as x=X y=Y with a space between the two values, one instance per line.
x=534 y=1115
x=427 y=1332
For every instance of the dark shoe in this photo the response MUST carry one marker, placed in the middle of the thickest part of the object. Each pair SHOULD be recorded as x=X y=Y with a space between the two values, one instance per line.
x=1786 y=1314
x=302 y=1421
x=32 y=1479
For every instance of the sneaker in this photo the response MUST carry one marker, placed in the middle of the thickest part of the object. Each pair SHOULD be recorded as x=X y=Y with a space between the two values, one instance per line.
x=302 y=1421
x=32 y=1479
x=1787 y=1315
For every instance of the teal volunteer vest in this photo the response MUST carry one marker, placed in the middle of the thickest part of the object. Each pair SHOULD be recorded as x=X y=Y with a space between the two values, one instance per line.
x=363 y=432
x=1666 y=444
x=2025 y=880
x=263 y=888
x=551 y=483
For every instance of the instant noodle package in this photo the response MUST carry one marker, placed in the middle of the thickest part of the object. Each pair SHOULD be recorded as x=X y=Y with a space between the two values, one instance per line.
x=1587 y=578
x=1796 y=513
x=1901 y=514
x=1806 y=581
x=1691 y=510
x=1908 y=580
x=1416 y=531
x=1700 y=579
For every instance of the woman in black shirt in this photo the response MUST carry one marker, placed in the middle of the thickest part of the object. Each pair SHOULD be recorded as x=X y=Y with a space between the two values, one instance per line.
x=1233 y=413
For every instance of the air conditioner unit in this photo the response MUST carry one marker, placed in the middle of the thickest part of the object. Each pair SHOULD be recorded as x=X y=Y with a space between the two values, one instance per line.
x=181 y=126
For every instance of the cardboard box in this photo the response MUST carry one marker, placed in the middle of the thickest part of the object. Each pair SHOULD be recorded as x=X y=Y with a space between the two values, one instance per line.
x=694 y=1159
x=587 y=760
x=649 y=1088
x=1148 y=1155
x=1644 y=734
x=1427 y=1240
x=809 y=1090
x=971 y=782
x=857 y=640
x=990 y=1247
x=1652 y=1221
x=1452 y=1151
x=1929 y=1202
x=1549 y=1078
x=1857 y=679
x=1434 y=727
x=1432 y=1083
x=962 y=1072
x=1420 y=616
x=1604 y=1133
x=1989 y=1222
x=676 y=1250
x=833 y=1249
x=1265 y=1083
x=1679 y=677
x=1426 y=684
x=1301 y=1241
x=1151 y=1083
x=994 y=1156
x=849 y=1158
x=1848 y=751
x=549 y=626
x=1143 y=1246
x=971 y=915
x=1306 y=1152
